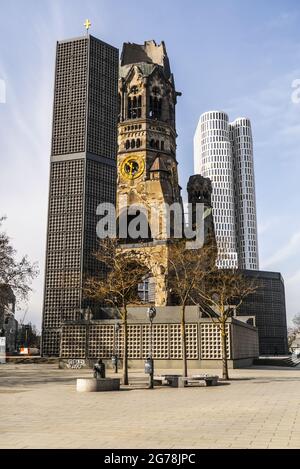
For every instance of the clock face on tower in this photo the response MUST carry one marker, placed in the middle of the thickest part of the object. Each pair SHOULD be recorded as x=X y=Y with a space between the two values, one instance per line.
x=132 y=167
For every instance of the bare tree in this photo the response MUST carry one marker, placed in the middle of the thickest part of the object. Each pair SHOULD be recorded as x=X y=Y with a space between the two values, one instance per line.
x=292 y=335
x=296 y=321
x=15 y=275
x=187 y=271
x=125 y=269
x=294 y=330
x=223 y=292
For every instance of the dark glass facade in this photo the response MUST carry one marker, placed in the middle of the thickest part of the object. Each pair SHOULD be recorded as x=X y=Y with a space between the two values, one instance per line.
x=267 y=304
x=82 y=175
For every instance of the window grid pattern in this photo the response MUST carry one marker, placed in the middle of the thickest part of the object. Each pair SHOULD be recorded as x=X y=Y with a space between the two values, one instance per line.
x=70 y=97
x=160 y=337
x=84 y=120
x=211 y=342
x=103 y=99
x=63 y=263
x=223 y=152
x=244 y=184
x=191 y=341
x=134 y=341
x=213 y=159
x=100 y=187
x=51 y=342
x=73 y=342
x=267 y=304
x=175 y=342
x=102 y=342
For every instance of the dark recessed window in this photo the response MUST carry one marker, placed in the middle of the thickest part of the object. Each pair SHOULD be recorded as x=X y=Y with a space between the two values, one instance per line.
x=134 y=107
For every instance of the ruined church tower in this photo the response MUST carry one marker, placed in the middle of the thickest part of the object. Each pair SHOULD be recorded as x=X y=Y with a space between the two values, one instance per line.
x=147 y=166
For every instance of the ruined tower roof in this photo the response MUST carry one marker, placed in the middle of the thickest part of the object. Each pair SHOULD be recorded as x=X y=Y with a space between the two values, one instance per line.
x=147 y=53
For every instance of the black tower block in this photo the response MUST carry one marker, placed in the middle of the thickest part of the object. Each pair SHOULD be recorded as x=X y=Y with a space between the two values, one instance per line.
x=82 y=175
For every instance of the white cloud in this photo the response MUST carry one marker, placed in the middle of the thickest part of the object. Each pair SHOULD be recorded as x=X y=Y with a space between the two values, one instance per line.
x=275 y=118
x=276 y=132
x=25 y=150
x=292 y=289
x=291 y=248
x=264 y=226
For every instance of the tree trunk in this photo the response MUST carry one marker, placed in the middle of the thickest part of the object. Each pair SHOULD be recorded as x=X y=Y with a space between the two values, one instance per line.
x=183 y=342
x=125 y=349
x=224 y=350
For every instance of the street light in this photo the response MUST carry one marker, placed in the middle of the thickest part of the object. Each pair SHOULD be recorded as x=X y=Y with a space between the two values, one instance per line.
x=115 y=357
x=27 y=328
x=149 y=365
x=86 y=316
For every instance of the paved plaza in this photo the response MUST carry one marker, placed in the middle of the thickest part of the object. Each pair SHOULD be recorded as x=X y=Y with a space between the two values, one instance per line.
x=40 y=408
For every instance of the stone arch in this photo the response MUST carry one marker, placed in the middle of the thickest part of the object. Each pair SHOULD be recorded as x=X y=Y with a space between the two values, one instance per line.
x=129 y=225
x=154 y=257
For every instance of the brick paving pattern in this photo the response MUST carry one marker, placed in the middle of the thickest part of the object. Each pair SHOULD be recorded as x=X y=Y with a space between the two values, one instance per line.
x=40 y=408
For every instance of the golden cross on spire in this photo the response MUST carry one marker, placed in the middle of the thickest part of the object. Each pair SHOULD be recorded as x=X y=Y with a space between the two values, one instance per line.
x=87 y=25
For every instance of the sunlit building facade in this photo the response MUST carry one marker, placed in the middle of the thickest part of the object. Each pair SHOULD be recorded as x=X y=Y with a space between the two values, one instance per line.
x=223 y=152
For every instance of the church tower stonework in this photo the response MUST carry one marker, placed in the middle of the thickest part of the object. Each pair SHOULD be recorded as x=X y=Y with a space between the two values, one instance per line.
x=147 y=166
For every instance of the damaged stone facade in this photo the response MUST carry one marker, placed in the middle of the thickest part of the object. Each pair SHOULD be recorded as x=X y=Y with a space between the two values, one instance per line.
x=147 y=144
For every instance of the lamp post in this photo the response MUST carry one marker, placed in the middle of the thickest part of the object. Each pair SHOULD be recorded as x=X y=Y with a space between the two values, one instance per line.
x=151 y=313
x=26 y=327
x=115 y=357
x=87 y=316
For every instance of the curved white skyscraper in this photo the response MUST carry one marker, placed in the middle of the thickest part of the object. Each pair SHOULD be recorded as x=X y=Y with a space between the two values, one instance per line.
x=223 y=152
x=213 y=159
x=244 y=191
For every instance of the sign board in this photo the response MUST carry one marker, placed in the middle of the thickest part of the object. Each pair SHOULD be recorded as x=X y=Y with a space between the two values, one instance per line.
x=2 y=349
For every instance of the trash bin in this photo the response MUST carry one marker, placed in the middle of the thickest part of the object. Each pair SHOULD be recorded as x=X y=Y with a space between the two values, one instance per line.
x=149 y=366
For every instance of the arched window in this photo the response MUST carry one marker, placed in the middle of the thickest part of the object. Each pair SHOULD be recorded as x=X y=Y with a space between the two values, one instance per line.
x=127 y=144
x=138 y=143
x=152 y=143
x=134 y=107
x=162 y=145
x=155 y=107
x=139 y=106
x=157 y=144
x=132 y=144
x=129 y=108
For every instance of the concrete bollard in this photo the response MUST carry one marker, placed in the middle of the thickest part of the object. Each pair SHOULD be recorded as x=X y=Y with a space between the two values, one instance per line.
x=97 y=385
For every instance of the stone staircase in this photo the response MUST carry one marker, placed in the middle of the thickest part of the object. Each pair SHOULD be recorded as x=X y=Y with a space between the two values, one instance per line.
x=286 y=361
x=30 y=359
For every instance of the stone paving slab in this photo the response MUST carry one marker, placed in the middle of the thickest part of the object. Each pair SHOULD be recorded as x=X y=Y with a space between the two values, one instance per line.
x=40 y=408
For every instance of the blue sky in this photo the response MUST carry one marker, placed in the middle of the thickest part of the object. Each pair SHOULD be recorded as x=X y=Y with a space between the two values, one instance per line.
x=240 y=57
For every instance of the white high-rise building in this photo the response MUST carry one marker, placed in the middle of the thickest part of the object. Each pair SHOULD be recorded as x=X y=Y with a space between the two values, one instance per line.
x=244 y=192
x=223 y=152
x=213 y=159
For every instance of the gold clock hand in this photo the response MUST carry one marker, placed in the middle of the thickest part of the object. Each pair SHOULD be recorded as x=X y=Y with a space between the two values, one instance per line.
x=132 y=168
